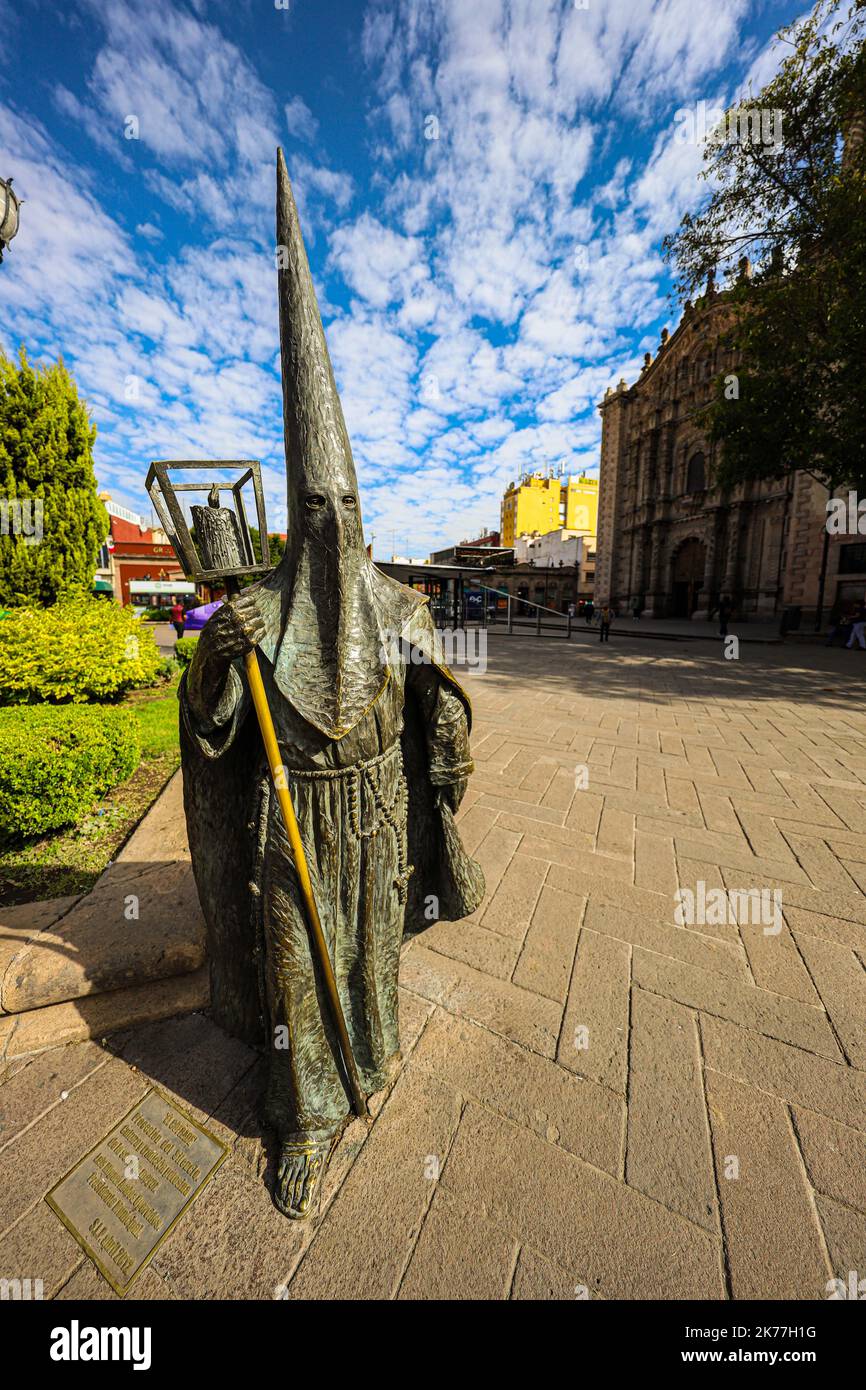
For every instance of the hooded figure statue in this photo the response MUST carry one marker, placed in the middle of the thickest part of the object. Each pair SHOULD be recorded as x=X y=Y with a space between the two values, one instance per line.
x=373 y=733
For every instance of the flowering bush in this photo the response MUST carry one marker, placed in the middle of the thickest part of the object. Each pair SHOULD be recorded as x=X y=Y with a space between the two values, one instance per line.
x=81 y=648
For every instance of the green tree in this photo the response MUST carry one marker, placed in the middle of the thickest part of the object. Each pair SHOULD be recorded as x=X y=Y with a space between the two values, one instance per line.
x=797 y=207
x=51 y=520
x=276 y=546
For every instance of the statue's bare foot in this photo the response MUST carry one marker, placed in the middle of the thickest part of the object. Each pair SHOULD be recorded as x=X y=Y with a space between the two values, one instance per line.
x=300 y=1170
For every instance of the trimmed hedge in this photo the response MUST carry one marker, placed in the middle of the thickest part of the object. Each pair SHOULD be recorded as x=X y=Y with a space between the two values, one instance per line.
x=56 y=762
x=79 y=649
x=184 y=650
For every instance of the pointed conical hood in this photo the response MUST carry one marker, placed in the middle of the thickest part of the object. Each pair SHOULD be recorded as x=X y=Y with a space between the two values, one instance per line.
x=330 y=662
x=317 y=441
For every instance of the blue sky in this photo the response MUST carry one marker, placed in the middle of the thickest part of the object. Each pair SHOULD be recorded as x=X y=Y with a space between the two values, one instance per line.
x=483 y=185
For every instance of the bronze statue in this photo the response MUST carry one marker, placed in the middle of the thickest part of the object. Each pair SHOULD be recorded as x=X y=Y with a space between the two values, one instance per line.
x=373 y=735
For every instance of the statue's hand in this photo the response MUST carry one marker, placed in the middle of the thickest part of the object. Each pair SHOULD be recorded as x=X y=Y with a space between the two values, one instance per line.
x=453 y=793
x=233 y=631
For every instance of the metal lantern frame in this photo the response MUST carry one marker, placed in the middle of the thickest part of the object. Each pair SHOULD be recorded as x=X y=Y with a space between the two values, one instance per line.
x=163 y=491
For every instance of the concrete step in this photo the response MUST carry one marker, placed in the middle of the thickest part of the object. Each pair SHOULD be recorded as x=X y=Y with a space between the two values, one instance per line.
x=102 y=1014
x=140 y=923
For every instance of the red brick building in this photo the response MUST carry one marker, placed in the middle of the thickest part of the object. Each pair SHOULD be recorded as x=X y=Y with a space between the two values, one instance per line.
x=136 y=551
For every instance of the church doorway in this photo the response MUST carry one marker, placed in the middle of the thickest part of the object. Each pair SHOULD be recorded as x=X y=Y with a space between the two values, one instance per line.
x=688 y=577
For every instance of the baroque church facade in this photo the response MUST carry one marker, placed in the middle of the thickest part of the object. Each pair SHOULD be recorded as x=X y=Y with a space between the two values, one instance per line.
x=671 y=543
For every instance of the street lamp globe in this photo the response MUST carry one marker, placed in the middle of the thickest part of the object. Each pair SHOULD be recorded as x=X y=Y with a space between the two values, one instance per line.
x=9 y=206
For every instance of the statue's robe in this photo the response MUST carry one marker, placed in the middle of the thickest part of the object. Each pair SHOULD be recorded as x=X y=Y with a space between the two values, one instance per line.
x=384 y=856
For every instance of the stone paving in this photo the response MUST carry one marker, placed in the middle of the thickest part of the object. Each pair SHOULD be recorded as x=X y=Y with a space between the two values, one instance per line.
x=596 y=1100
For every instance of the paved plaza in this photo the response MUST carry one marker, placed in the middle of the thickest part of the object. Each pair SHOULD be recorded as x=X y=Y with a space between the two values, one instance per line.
x=598 y=1100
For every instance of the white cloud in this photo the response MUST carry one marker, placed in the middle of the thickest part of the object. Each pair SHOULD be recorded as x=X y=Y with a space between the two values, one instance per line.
x=332 y=184
x=189 y=88
x=300 y=121
x=497 y=277
x=380 y=265
x=149 y=231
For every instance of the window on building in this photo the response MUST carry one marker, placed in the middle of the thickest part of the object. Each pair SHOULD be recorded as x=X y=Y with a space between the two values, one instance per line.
x=703 y=369
x=696 y=473
x=852 y=559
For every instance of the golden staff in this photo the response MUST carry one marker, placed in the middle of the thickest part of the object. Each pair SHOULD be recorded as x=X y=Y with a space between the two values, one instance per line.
x=320 y=945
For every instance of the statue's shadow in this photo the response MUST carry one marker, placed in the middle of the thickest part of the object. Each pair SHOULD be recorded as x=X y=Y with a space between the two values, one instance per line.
x=217 y=1079
x=221 y=1081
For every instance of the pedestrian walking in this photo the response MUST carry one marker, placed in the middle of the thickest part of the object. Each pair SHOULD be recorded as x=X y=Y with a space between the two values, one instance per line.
x=858 y=628
x=724 y=614
x=604 y=628
x=177 y=616
x=588 y=608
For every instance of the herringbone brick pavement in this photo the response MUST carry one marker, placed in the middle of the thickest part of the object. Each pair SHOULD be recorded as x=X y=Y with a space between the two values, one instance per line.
x=707 y=1075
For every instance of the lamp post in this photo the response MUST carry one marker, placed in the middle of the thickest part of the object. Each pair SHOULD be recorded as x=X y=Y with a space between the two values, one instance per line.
x=9 y=214
x=223 y=549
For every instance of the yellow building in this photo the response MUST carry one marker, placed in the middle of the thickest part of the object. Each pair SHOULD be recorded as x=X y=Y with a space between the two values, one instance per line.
x=581 y=504
x=541 y=504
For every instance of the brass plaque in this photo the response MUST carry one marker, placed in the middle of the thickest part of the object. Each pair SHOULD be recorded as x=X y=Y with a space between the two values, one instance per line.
x=121 y=1200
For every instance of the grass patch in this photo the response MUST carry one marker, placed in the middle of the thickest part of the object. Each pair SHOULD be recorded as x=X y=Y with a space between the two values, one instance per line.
x=158 y=723
x=71 y=860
